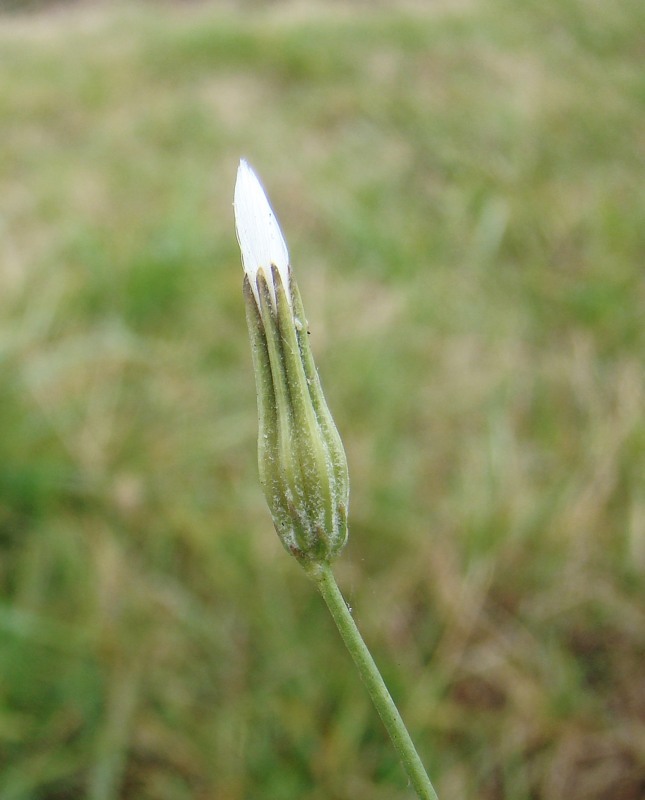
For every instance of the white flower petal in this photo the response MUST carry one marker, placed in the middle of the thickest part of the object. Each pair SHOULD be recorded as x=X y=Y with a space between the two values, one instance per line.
x=258 y=232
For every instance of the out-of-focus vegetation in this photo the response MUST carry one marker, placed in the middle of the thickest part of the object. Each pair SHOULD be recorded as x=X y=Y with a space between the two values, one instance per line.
x=461 y=186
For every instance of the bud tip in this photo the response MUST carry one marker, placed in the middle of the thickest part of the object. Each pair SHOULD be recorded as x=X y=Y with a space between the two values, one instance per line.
x=258 y=232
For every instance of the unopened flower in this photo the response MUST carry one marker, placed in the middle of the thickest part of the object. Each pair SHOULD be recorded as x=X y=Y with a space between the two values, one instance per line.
x=303 y=469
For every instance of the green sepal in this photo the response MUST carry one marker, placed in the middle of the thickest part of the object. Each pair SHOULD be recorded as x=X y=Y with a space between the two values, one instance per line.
x=302 y=464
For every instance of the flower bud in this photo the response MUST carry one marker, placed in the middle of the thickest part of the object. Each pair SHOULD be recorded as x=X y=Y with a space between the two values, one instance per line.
x=303 y=469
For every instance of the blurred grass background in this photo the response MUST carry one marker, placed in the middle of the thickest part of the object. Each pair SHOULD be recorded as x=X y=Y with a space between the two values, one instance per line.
x=461 y=187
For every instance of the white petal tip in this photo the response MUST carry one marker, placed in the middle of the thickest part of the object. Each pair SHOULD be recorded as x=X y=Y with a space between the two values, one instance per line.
x=258 y=232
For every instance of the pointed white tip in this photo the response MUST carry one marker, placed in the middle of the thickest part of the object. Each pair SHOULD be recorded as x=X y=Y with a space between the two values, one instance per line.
x=258 y=232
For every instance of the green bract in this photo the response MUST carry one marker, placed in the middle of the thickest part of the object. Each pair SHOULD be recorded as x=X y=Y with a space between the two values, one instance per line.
x=303 y=469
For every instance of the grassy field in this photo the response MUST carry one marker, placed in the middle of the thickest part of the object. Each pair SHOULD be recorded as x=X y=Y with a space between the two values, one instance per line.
x=461 y=187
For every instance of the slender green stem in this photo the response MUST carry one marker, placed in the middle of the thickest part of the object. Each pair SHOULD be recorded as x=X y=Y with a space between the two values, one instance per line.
x=371 y=677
